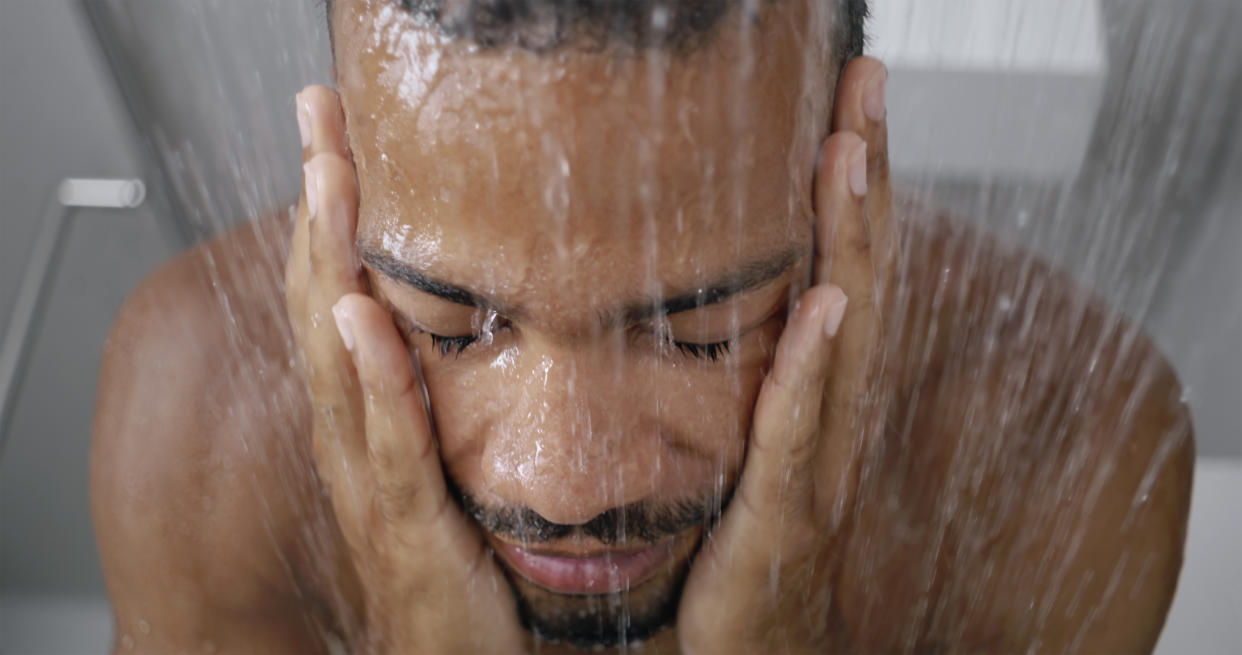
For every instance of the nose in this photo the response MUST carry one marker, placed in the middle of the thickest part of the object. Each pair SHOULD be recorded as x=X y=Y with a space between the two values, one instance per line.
x=576 y=440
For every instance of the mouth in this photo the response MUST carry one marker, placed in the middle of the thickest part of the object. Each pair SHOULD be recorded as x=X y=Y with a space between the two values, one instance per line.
x=580 y=571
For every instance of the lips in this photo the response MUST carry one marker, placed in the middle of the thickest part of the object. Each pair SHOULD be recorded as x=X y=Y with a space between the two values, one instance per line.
x=599 y=572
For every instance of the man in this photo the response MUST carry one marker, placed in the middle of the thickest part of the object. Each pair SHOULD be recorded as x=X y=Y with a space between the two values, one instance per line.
x=598 y=326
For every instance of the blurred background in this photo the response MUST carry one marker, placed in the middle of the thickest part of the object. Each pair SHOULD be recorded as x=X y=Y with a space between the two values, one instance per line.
x=1105 y=135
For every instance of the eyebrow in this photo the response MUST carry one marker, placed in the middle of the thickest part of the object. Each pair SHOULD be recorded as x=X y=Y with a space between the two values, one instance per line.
x=749 y=276
x=745 y=278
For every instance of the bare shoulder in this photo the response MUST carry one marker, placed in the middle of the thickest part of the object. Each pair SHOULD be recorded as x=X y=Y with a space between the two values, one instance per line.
x=198 y=474
x=1033 y=488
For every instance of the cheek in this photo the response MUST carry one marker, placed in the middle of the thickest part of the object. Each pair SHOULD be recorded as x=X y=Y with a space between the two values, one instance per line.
x=706 y=408
x=467 y=400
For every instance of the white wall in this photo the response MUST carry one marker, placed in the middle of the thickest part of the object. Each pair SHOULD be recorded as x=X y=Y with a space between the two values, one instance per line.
x=59 y=119
x=988 y=89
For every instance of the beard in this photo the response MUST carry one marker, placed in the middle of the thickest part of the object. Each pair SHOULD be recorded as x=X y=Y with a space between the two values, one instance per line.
x=615 y=618
x=601 y=620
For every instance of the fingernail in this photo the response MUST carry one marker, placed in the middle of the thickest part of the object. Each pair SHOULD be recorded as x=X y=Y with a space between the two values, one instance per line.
x=836 y=312
x=874 y=105
x=310 y=174
x=303 y=120
x=858 y=170
x=344 y=323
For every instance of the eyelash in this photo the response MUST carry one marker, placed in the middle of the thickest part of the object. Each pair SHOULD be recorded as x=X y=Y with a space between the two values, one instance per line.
x=447 y=345
x=706 y=351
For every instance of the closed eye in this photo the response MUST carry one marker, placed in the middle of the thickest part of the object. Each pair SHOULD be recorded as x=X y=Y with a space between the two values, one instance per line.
x=451 y=345
x=455 y=346
x=708 y=351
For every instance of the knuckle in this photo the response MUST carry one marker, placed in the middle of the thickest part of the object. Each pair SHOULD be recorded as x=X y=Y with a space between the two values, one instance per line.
x=862 y=305
x=752 y=506
x=334 y=420
x=322 y=454
x=400 y=392
x=382 y=456
x=336 y=172
x=374 y=533
x=855 y=239
x=440 y=507
x=349 y=515
x=328 y=388
x=802 y=445
x=396 y=499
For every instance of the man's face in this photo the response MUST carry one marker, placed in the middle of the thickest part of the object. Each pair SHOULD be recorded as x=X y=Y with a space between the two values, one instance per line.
x=592 y=255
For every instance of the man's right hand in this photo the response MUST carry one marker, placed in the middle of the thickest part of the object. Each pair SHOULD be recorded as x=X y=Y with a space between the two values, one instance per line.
x=430 y=583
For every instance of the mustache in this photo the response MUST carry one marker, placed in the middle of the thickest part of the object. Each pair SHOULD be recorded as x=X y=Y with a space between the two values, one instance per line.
x=645 y=521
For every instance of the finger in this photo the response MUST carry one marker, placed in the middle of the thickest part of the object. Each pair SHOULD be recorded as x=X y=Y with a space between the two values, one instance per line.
x=332 y=207
x=297 y=271
x=842 y=239
x=334 y=269
x=341 y=463
x=321 y=125
x=861 y=108
x=321 y=122
x=324 y=243
x=404 y=461
x=779 y=475
x=844 y=257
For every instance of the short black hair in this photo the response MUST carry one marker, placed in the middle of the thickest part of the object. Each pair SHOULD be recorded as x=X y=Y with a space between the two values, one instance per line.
x=547 y=24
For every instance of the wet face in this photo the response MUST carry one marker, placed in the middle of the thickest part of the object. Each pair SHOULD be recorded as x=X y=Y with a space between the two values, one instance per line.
x=592 y=255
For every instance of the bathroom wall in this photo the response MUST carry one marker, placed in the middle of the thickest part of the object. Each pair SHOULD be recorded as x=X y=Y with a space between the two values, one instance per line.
x=59 y=118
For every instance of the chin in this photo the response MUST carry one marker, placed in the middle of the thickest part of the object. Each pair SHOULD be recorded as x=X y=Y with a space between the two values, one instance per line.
x=632 y=612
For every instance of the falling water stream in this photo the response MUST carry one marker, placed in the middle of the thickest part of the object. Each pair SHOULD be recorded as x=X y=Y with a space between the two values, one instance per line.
x=564 y=180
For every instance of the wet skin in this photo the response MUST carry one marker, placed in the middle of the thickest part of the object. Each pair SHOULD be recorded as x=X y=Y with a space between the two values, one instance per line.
x=548 y=415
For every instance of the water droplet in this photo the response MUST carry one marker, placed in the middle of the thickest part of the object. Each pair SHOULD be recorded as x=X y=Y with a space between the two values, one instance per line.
x=144 y=627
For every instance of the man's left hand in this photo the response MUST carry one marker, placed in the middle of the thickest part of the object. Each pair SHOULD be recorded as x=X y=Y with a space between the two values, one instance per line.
x=763 y=581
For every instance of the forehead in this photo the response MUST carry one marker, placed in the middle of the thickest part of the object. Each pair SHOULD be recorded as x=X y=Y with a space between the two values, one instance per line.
x=510 y=169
